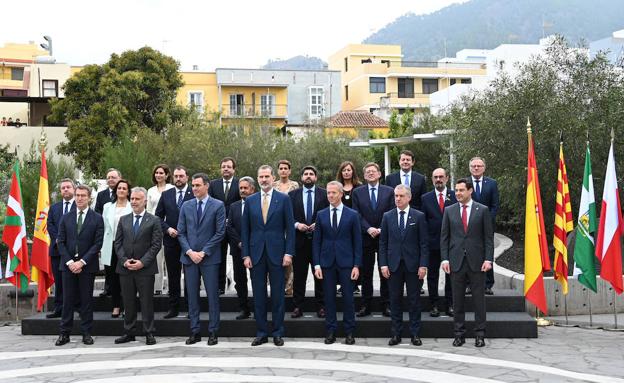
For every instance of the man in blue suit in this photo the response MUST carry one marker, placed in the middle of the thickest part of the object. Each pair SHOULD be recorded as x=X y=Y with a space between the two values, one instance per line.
x=201 y=228
x=403 y=258
x=268 y=239
x=80 y=238
x=57 y=211
x=372 y=201
x=337 y=257
x=408 y=177
x=433 y=204
x=485 y=192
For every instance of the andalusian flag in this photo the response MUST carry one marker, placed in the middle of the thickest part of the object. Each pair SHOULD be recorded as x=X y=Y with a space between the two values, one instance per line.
x=14 y=235
x=563 y=223
x=608 y=246
x=535 y=247
x=584 y=249
x=40 y=257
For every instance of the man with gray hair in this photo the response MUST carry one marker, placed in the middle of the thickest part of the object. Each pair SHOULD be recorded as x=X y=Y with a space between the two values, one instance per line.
x=138 y=241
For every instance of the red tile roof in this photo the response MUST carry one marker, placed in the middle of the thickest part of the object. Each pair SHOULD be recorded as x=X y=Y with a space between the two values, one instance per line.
x=357 y=119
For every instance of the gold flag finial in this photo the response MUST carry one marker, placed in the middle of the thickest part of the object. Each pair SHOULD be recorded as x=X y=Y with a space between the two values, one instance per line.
x=528 y=125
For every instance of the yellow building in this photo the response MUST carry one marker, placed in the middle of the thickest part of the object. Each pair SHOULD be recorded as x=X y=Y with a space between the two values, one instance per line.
x=376 y=77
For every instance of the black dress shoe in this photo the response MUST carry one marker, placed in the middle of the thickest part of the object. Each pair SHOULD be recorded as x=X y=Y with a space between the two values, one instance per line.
x=55 y=314
x=394 y=341
x=149 y=339
x=278 y=341
x=450 y=312
x=296 y=313
x=158 y=292
x=386 y=312
x=213 y=339
x=321 y=313
x=259 y=340
x=330 y=338
x=434 y=313
x=468 y=291
x=349 y=339
x=363 y=312
x=458 y=342
x=243 y=315
x=488 y=291
x=479 y=341
x=416 y=341
x=221 y=291
x=115 y=315
x=171 y=314
x=194 y=338
x=62 y=339
x=105 y=294
x=87 y=339
x=125 y=339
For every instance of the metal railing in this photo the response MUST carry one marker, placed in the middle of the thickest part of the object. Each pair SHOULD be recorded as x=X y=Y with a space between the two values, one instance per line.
x=255 y=110
x=429 y=64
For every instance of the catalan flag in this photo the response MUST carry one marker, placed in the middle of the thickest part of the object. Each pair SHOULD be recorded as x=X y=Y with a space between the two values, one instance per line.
x=563 y=223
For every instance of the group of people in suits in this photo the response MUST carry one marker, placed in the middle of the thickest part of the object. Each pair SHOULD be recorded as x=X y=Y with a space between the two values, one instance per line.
x=339 y=234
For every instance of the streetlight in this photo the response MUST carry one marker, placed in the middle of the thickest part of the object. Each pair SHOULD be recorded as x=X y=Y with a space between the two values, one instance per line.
x=48 y=46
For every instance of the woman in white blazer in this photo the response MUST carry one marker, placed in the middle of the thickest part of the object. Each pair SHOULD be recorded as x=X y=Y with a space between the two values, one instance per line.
x=161 y=178
x=114 y=210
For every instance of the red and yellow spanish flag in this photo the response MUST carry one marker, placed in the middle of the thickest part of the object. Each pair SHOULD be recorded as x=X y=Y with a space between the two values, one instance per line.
x=535 y=246
x=40 y=258
x=563 y=223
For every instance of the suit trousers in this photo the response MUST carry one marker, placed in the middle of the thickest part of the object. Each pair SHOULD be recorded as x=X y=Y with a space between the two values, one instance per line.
x=223 y=265
x=301 y=264
x=476 y=279
x=433 y=280
x=332 y=276
x=174 y=274
x=144 y=285
x=258 y=282
x=368 y=266
x=58 y=284
x=77 y=288
x=240 y=280
x=210 y=275
x=398 y=279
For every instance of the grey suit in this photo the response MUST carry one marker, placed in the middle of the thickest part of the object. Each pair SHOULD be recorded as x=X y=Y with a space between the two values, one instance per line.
x=466 y=252
x=144 y=246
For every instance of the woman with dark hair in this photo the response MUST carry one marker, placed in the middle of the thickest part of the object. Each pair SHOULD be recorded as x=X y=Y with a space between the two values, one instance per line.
x=119 y=206
x=348 y=177
x=161 y=178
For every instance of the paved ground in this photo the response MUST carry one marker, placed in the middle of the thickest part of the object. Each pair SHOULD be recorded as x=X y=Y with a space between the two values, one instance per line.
x=558 y=355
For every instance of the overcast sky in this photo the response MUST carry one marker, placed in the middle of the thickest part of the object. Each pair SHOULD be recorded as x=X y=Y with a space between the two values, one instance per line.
x=210 y=34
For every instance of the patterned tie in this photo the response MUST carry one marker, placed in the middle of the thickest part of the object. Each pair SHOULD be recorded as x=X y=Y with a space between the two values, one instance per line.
x=373 y=199
x=402 y=221
x=441 y=202
x=66 y=207
x=180 y=198
x=135 y=227
x=465 y=218
x=227 y=189
x=406 y=182
x=199 y=210
x=265 y=207
x=79 y=224
x=478 y=189
x=335 y=219
x=308 y=211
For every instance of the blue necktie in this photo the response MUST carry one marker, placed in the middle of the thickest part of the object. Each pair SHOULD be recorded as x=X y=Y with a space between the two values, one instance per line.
x=373 y=199
x=402 y=221
x=199 y=210
x=66 y=207
x=335 y=219
x=180 y=198
x=135 y=227
x=309 y=208
x=478 y=189
x=406 y=183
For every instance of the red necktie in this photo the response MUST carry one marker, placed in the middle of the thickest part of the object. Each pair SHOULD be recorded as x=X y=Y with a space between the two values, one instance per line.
x=465 y=218
x=441 y=202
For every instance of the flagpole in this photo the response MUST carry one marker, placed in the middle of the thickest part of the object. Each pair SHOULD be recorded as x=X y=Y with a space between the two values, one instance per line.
x=16 y=306
x=591 y=314
x=615 y=316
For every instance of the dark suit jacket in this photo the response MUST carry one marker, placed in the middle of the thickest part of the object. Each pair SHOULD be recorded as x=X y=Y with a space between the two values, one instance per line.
x=429 y=206
x=233 y=227
x=411 y=245
x=277 y=236
x=102 y=199
x=417 y=186
x=216 y=191
x=54 y=220
x=88 y=242
x=296 y=199
x=343 y=246
x=143 y=247
x=477 y=245
x=369 y=217
x=205 y=235
x=489 y=195
x=168 y=212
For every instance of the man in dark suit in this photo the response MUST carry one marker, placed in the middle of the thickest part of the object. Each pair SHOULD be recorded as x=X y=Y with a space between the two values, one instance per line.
x=467 y=251
x=268 y=238
x=408 y=177
x=103 y=197
x=79 y=241
x=306 y=202
x=372 y=201
x=486 y=193
x=168 y=210
x=137 y=242
x=246 y=187
x=225 y=189
x=57 y=211
x=337 y=253
x=201 y=230
x=433 y=204
x=403 y=258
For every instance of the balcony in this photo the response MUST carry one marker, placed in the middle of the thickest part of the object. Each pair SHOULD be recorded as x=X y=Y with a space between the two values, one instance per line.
x=254 y=111
x=395 y=99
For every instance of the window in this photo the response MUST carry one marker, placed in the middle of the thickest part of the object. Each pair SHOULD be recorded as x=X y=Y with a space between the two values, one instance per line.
x=17 y=74
x=346 y=92
x=49 y=88
x=236 y=105
x=406 y=88
x=267 y=104
x=453 y=81
x=316 y=100
x=346 y=62
x=430 y=85
x=196 y=101
x=466 y=81
x=377 y=85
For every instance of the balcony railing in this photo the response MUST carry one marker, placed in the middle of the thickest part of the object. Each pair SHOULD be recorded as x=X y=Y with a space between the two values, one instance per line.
x=429 y=64
x=255 y=110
